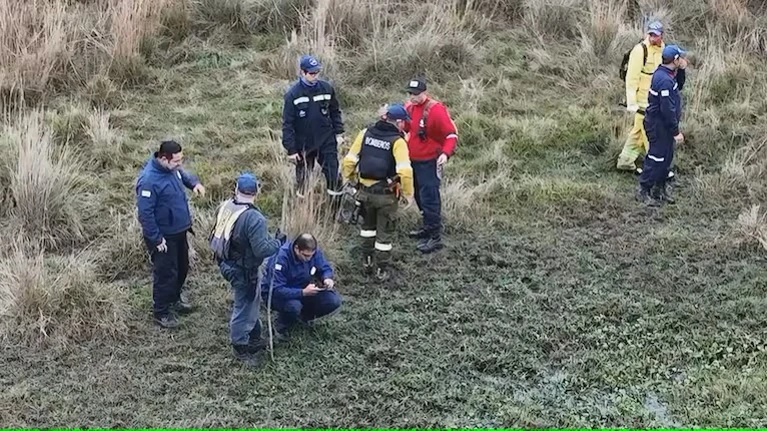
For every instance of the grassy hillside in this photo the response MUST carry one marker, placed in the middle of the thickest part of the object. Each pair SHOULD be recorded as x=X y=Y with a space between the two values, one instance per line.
x=559 y=301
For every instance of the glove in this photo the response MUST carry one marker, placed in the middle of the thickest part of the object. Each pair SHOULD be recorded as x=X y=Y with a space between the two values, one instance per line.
x=632 y=108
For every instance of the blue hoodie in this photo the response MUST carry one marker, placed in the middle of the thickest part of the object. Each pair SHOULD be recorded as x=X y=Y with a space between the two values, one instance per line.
x=162 y=202
x=291 y=274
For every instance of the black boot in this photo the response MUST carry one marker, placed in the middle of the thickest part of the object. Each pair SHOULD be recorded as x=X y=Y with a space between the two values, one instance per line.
x=255 y=342
x=430 y=244
x=666 y=193
x=245 y=353
x=644 y=196
x=280 y=330
x=166 y=320
x=182 y=306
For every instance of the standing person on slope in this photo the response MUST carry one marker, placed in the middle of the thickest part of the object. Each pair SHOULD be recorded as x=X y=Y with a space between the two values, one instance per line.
x=431 y=142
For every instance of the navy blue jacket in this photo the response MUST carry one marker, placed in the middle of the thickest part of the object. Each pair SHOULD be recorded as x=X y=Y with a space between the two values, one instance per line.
x=251 y=242
x=291 y=275
x=665 y=102
x=311 y=117
x=162 y=202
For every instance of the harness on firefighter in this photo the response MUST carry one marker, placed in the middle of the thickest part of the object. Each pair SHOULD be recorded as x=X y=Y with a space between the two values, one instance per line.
x=351 y=208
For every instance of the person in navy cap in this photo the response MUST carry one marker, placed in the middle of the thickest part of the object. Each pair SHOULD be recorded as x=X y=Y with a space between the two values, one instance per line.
x=312 y=126
x=240 y=243
x=661 y=122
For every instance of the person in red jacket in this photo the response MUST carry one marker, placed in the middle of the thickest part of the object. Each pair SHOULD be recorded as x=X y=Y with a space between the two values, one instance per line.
x=432 y=138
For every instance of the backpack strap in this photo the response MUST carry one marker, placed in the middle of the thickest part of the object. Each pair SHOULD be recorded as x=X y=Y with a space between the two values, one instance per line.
x=426 y=108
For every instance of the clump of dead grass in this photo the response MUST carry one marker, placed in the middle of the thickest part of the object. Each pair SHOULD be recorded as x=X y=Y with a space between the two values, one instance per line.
x=46 y=46
x=57 y=299
x=555 y=19
x=44 y=184
x=600 y=28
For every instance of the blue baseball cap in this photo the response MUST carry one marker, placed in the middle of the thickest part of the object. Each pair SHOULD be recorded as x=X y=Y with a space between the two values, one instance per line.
x=310 y=64
x=673 y=51
x=396 y=111
x=247 y=183
x=655 y=28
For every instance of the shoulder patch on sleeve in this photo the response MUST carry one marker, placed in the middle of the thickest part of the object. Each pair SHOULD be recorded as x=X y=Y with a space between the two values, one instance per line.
x=278 y=267
x=146 y=193
x=664 y=93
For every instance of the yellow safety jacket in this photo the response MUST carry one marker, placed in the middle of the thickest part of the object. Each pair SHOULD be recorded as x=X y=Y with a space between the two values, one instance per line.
x=398 y=152
x=638 y=77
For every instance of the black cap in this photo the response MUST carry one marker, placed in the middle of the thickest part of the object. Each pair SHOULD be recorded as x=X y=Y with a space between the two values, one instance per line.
x=416 y=86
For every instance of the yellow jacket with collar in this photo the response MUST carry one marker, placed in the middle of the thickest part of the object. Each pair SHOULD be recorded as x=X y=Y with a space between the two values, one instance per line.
x=638 y=77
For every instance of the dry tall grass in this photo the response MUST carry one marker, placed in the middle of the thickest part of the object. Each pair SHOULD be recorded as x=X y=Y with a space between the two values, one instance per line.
x=35 y=45
x=752 y=225
x=46 y=45
x=44 y=184
x=58 y=299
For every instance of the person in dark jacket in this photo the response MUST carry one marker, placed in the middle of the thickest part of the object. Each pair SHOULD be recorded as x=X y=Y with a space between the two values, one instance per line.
x=163 y=211
x=240 y=243
x=662 y=125
x=312 y=127
x=302 y=284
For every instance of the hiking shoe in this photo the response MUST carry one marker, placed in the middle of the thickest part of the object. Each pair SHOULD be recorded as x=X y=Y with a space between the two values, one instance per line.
x=419 y=233
x=167 y=321
x=279 y=331
x=430 y=245
x=644 y=196
x=182 y=307
x=665 y=194
x=256 y=344
x=244 y=353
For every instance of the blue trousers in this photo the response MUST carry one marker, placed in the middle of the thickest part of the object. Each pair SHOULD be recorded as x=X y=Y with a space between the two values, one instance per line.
x=243 y=323
x=169 y=271
x=427 y=182
x=327 y=157
x=659 y=157
x=306 y=308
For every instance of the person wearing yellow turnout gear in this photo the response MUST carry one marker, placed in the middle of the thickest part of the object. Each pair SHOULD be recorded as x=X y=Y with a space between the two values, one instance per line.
x=380 y=160
x=638 y=77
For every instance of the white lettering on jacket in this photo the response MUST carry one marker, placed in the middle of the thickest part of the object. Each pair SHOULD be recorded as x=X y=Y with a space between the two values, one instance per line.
x=378 y=143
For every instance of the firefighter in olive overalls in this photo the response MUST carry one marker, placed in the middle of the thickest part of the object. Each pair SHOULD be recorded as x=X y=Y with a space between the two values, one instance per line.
x=380 y=154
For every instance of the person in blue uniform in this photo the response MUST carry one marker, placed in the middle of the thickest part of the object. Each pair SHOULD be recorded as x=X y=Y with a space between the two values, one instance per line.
x=661 y=123
x=312 y=127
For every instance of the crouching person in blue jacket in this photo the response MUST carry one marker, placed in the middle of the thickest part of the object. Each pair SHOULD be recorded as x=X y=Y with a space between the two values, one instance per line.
x=240 y=243
x=302 y=284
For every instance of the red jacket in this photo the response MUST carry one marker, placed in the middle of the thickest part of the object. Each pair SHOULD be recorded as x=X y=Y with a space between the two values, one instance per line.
x=441 y=133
